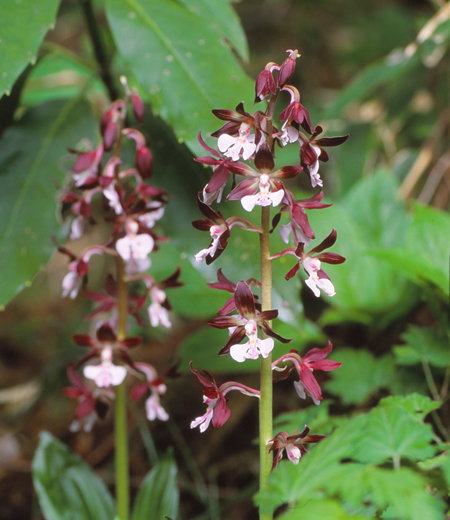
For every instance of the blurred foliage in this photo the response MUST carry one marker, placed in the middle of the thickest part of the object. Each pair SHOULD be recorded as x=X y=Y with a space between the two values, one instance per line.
x=377 y=69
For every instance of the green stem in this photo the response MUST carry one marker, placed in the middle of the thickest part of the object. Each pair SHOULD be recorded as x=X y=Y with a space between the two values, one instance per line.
x=99 y=49
x=121 y=437
x=265 y=402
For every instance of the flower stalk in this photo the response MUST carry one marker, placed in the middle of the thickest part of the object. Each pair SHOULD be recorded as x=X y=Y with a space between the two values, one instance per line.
x=266 y=390
x=120 y=409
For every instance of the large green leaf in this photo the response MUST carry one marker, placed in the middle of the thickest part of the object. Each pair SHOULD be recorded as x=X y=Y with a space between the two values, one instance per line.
x=222 y=17
x=158 y=495
x=366 y=373
x=23 y=25
x=180 y=62
x=30 y=163
x=424 y=344
x=66 y=487
x=424 y=256
x=393 y=433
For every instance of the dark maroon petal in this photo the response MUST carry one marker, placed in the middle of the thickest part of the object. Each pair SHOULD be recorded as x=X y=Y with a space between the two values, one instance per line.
x=209 y=161
x=219 y=178
x=299 y=216
x=288 y=172
x=309 y=155
x=131 y=342
x=83 y=340
x=313 y=438
x=229 y=128
x=227 y=308
x=236 y=337
x=86 y=407
x=172 y=280
x=264 y=159
x=326 y=243
x=326 y=365
x=293 y=271
x=267 y=315
x=82 y=267
x=310 y=382
x=331 y=141
x=138 y=391
x=246 y=187
x=242 y=169
x=270 y=332
x=223 y=283
x=316 y=354
x=206 y=147
x=202 y=224
x=224 y=322
x=221 y=412
x=125 y=357
x=105 y=334
x=209 y=213
x=227 y=115
x=244 y=300
x=73 y=392
x=203 y=380
x=331 y=258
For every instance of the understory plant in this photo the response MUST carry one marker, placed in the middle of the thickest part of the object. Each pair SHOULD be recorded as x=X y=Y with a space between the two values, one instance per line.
x=245 y=153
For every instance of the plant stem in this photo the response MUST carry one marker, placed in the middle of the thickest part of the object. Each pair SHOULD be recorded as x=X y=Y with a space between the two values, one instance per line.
x=265 y=402
x=99 y=49
x=121 y=438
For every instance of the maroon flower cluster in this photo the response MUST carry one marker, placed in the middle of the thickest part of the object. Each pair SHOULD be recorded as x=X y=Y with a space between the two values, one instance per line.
x=102 y=187
x=245 y=155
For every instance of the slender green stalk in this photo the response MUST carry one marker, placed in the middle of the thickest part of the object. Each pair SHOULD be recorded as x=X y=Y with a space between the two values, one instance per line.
x=99 y=47
x=120 y=425
x=266 y=398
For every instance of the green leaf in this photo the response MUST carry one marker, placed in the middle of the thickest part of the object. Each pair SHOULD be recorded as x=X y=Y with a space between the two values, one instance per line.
x=60 y=75
x=30 y=163
x=401 y=493
x=392 y=433
x=425 y=254
x=66 y=487
x=221 y=17
x=363 y=220
x=158 y=495
x=424 y=344
x=418 y=406
x=180 y=62
x=366 y=373
x=323 y=508
x=23 y=26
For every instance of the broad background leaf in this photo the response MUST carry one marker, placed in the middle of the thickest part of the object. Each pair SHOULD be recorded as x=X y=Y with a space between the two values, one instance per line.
x=30 y=162
x=23 y=25
x=180 y=62
x=66 y=487
x=158 y=495
x=221 y=16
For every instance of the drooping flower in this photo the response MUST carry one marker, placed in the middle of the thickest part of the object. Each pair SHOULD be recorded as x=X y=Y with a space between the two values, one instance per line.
x=311 y=151
x=217 y=410
x=298 y=222
x=245 y=324
x=135 y=247
x=305 y=365
x=318 y=279
x=293 y=444
x=219 y=229
x=264 y=186
x=156 y=386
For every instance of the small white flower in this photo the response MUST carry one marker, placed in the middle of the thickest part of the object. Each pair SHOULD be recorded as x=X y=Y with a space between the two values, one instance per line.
x=106 y=374
x=233 y=146
x=264 y=197
x=314 y=282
